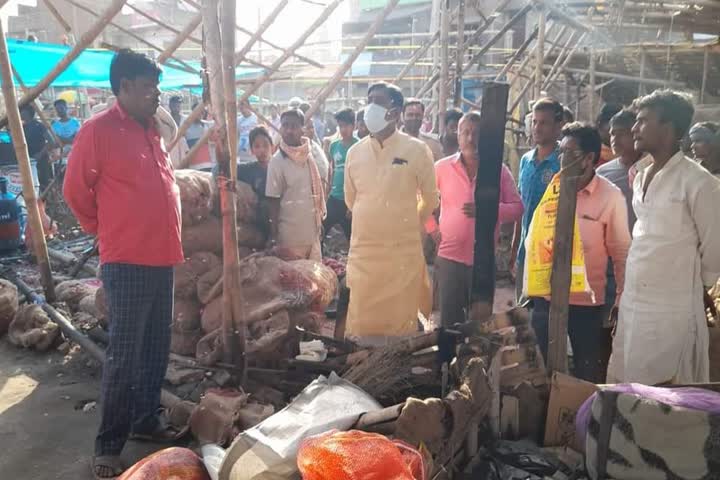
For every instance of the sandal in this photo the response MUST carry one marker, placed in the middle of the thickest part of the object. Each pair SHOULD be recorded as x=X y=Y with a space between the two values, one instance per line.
x=163 y=433
x=106 y=467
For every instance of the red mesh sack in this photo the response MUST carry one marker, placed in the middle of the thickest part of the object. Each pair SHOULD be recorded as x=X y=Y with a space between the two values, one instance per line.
x=172 y=463
x=357 y=455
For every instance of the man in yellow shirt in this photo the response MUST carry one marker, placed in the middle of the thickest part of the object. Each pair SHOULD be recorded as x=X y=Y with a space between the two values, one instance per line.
x=385 y=174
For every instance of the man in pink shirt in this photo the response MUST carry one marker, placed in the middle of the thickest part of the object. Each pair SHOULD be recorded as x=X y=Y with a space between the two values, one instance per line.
x=602 y=217
x=455 y=177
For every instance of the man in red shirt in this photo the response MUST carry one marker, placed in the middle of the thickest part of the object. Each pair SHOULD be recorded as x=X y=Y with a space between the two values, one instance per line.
x=120 y=185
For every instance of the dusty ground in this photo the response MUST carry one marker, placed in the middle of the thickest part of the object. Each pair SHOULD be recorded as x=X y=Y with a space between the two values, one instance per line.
x=44 y=433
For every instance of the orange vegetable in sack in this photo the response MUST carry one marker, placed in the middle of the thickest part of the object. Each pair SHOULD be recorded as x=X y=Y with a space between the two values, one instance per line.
x=356 y=455
x=170 y=464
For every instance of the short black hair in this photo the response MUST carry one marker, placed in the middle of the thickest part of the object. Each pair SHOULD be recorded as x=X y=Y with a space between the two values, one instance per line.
x=625 y=118
x=175 y=99
x=671 y=106
x=712 y=126
x=304 y=107
x=346 y=116
x=587 y=137
x=397 y=99
x=549 y=105
x=28 y=108
x=607 y=111
x=293 y=112
x=360 y=116
x=413 y=101
x=568 y=115
x=130 y=65
x=453 y=115
x=260 y=131
x=473 y=116
x=60 y=101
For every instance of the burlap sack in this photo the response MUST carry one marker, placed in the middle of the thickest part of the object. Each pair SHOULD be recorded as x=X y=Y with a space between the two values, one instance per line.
x=186 y=315
x=184 y=343
x=8 y=304
x=72 y=291
x=195 y=195
x=189 y=273
x=212 y=315
x=205 y=285
x=206 y=236
x=101 y=307
x=32 y=328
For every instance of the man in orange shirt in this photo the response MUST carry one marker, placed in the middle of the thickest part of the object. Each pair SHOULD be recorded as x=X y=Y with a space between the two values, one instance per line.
x=602 y=217
x=120 y=185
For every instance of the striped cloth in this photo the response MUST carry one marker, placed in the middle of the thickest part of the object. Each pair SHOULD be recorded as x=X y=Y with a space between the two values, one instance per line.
x=140 y=308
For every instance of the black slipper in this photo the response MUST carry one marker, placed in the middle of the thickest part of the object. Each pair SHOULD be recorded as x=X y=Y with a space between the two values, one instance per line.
x=109 y=462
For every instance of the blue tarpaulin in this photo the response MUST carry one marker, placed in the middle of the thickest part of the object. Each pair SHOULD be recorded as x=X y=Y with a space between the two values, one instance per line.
x=91 y=68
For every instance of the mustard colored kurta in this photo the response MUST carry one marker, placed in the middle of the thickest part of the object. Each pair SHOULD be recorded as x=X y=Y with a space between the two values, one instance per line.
x=386 y=270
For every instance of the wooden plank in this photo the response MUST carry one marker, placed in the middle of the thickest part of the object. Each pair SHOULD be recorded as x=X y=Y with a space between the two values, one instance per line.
x=540 y=54
x=561 y=273
x=17 y=134
x=491 y=146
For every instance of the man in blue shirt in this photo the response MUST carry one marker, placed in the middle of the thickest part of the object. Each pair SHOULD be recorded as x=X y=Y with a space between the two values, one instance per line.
x=337 y=212
x=65 y=127
x=537 y=168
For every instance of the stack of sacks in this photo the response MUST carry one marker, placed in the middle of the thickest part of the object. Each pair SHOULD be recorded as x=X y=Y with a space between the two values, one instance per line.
x=8 y=304
x=201 y=222
x=275 y=294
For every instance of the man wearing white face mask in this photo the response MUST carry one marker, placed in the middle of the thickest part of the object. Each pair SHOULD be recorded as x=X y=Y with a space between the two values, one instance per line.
x=386 y=273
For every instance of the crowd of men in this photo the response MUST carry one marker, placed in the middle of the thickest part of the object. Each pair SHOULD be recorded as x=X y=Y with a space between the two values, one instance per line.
x=647 y=214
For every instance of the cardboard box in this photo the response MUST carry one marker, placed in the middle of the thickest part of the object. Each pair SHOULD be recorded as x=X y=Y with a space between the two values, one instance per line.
x=567 y=394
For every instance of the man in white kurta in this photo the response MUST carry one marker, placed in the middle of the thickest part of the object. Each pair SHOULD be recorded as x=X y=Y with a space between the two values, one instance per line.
x=385 y=174
x=662 y=334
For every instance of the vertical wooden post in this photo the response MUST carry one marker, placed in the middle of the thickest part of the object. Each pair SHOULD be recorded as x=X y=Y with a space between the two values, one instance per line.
x=213 y=56
x=643 y=60
x=703 y=86
x=459 y=54
x=591 y=92
x=23 y=158
x=561 y=272
x=444 y=63
x=491 y=146
x=540 y=54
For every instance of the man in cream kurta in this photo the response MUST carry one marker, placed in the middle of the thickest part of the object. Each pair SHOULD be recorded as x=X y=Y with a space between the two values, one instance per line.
x=662 y=335
x=385 y=175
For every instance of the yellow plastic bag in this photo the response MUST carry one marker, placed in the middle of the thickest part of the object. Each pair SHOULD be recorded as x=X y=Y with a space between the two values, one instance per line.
x=539 y=248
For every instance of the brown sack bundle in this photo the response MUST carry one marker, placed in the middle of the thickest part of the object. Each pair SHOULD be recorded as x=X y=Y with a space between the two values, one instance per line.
x=187 y=274
x=186 y=315
x=206 y=236
x=195 y=195
x=32 y=328
x=184 y=343
x=212 y=316
x=8 y=304
x=72 y=291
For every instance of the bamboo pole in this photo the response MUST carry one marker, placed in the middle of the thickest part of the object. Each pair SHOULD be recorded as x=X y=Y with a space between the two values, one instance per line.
x=643 y=60
x=540 y=53
x=180 y=38
x=140 y=39
x=518 y=53
x=591 y=69
x=459 y=54
x=706 y=62
x=347 y=64
x=87 y=38
x=444 y=63
x=266 y=76
x=618 y=76
x=568 y=58
x=37 y=109
x=161 y=23
x=303 y=58
x=240 y=55
x=416 y=56
x=264 y=119
x=229 y=60
x=496 y=13
x=526 y=60
x=23 y=159
x=559 y=59
x=58 y=16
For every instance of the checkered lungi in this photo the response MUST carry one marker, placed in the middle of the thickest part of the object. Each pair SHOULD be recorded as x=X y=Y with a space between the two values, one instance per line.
x=140 y=309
